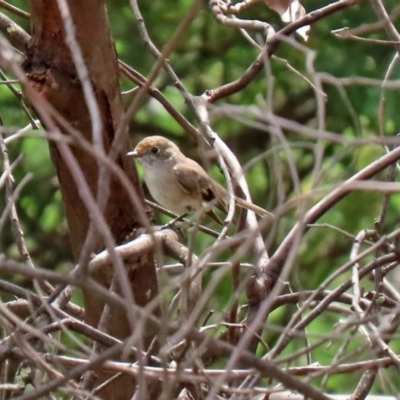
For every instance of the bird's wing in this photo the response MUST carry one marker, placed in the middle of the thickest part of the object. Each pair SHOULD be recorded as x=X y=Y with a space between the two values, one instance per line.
x=194 y=181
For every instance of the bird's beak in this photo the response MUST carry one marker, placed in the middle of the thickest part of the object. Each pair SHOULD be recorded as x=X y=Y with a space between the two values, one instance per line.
x=133 y=154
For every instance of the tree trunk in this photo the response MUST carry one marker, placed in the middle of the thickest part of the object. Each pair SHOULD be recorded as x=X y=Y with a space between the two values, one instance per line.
x=52 y=72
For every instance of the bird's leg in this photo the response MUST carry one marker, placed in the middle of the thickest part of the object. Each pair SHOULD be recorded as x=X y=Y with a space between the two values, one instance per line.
x=171 y=224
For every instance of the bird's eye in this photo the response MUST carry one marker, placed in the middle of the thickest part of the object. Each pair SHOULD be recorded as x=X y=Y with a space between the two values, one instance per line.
x=155 y=150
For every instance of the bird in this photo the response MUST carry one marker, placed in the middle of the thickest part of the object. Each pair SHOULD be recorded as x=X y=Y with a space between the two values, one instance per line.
x=179 y=183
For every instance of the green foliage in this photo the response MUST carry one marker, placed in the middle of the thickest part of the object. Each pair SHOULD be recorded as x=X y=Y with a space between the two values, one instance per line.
x=207 y=56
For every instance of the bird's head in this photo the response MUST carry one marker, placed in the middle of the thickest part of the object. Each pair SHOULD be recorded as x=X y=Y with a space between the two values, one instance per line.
x=154 y=149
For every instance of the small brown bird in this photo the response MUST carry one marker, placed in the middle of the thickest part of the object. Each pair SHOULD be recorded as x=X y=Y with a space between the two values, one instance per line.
x=179 y=183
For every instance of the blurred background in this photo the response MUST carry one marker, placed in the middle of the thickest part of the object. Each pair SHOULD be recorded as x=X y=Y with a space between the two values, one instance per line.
x=208 y=56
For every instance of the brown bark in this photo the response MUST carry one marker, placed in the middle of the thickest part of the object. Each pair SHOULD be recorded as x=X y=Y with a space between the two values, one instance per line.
x=52 y=72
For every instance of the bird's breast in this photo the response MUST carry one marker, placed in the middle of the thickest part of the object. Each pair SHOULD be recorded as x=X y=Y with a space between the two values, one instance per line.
x=164 y=188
